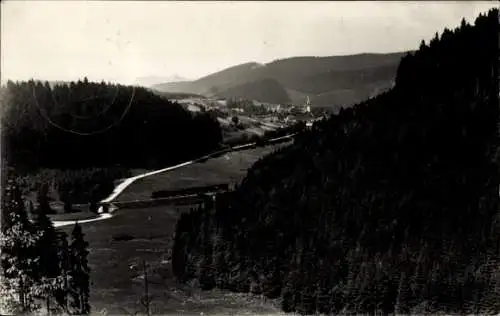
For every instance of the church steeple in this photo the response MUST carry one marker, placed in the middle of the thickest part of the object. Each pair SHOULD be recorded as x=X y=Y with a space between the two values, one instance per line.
x=307 y=106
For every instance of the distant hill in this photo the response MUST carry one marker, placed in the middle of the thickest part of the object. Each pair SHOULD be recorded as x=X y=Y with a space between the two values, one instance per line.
x=153 y=80
x=269 y=90
x=214 y=83
x=175 y=95
x=328 y=81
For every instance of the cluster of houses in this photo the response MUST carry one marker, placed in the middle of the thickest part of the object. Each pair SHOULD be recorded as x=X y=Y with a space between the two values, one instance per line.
x=291 y=113
x=274 y=113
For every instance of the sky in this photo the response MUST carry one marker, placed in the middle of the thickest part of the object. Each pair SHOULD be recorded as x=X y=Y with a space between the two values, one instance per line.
x=122 y=41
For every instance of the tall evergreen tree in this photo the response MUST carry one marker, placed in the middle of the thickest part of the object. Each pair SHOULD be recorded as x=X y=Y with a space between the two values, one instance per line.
x=65 y=197
x=43 y=199
x=19 y=258
x=61 y=294
x=31 y=209
x=48 y=268
x=79 y=273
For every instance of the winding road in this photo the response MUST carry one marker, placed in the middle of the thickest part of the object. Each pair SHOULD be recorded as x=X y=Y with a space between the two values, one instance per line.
x=117 y=191
x=128 y=181
x=101 y=217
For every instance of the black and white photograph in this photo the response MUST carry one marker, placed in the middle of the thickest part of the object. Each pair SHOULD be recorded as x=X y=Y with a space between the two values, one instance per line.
x=259 y=158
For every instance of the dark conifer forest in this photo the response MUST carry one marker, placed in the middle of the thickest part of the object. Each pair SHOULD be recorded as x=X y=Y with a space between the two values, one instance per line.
x=389 y=206
x=79 y=137
x=84 y=124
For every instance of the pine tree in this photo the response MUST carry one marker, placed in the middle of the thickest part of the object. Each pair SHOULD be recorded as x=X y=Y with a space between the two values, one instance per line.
x=43 y=200
x=18 y=258
x=93 y=207
x=79 y=273
x=67 y=205
x=220 y=265
x=47 y=272
x=61 y=294
x=65 y=197
x=47 y=244
x=179 y=254
x=272 y=284
x=31 y=209
x=207 y=279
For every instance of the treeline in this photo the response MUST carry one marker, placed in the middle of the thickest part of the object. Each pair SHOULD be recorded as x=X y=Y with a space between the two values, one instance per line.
x=318 y=111
x=353 y=79
x=190 y=191
x=265 y=90
x=389 y=206
x=70 y=186
x=86 y=124
x=40 y=269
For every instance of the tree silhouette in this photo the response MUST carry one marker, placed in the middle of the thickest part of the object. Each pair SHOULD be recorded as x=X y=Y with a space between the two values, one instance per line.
x=18 y=260
x=47 y=268
x=79 y=273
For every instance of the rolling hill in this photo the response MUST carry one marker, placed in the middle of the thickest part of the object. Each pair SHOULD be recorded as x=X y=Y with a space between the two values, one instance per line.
x=269 y=90
x=328 y=81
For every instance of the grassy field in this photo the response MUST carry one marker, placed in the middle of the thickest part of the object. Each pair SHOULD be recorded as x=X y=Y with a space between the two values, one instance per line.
x=250 y=126
x=229 y=168
x=72 y=216
x=117 y=284
x=118 y=245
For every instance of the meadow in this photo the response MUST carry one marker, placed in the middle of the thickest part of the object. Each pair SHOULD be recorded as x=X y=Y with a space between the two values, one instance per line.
x=118 y=245
x=117 y=278
x=228 y=168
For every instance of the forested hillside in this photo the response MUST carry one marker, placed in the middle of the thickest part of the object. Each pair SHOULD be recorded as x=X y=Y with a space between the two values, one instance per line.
x=267 y=89
x=328 y=81
x=213 y=83
x=85 y=124
x=71 y=141
x=389 y=206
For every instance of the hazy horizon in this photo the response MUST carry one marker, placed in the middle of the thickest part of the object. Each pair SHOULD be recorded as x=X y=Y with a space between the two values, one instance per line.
x=126 y=41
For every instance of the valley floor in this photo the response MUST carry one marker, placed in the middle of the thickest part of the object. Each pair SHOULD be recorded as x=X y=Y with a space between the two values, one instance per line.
x=117 y=277
x=116 y=274
x=229 y=168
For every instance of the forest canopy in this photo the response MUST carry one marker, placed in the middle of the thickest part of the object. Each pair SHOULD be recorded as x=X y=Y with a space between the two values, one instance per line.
x=390 y=206
x=87 y=124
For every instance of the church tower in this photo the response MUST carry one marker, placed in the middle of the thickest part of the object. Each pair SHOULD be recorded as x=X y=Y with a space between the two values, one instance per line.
x=307 y=106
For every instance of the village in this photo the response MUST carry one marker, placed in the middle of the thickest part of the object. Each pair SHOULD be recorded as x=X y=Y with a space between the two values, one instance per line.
x=270 y=115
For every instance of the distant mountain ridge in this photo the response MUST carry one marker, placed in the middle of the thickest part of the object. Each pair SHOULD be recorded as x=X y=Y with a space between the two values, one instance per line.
x=327 y=81
x=153 y=80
